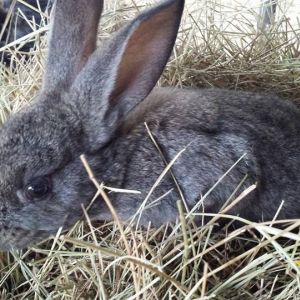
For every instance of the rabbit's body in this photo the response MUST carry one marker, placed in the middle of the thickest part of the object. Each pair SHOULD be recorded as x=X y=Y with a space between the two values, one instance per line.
x=217 y=127
x=97 y=101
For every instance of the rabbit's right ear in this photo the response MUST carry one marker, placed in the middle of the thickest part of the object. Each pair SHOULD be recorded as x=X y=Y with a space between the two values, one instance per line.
x=121 y=74
x=72 y=40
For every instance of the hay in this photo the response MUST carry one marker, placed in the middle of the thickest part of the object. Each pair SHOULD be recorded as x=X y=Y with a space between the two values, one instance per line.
x=180 y=261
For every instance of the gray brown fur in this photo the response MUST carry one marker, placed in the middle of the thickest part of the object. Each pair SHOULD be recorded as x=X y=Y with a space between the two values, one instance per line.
x=95 y=101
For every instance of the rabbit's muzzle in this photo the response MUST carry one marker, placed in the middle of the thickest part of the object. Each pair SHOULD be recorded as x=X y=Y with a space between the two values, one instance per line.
x=13 y=238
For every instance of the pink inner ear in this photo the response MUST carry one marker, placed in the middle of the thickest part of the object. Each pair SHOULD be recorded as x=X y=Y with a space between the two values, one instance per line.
x=90 y=28
x=89 y=45
x=146 y=52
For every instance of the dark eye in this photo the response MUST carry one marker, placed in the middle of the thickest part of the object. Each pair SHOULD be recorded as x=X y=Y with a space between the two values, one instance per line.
x=38 y=187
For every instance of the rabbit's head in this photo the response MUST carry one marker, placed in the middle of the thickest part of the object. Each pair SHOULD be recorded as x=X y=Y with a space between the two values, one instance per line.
x=86 y=94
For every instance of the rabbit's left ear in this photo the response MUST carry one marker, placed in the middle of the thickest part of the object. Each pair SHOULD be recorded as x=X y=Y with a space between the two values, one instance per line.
x=72 y=40
x=124 y=71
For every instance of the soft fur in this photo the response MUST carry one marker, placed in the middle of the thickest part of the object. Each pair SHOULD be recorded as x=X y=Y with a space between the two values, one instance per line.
x=95 y=101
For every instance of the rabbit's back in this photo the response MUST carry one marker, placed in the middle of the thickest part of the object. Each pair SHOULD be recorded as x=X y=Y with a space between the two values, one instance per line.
x=217 y=128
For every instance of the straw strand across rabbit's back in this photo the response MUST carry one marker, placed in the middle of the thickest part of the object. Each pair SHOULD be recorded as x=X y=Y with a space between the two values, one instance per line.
x=96 y=102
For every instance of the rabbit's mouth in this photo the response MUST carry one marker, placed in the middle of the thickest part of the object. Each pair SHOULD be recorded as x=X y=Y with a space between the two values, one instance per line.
x=18 y=238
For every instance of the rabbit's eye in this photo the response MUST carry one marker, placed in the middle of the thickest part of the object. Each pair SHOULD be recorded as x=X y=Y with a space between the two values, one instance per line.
x=38 y=187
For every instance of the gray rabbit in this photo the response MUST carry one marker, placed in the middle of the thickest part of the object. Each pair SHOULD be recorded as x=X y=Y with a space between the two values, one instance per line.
x=96 y=101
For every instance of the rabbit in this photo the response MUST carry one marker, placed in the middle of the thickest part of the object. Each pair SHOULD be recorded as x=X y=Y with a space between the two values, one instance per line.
x=96 y=101
x=18 y=25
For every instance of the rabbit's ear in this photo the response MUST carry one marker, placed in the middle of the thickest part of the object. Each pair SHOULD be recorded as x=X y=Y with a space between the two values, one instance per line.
x=125 y=70
x=72 y=40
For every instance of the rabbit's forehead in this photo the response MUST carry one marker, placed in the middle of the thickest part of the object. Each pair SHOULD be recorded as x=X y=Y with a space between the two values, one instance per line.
x=24 y=160
x=30 y=143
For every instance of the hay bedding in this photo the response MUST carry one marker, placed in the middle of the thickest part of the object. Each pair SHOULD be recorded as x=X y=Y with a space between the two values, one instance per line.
x=218 y=46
